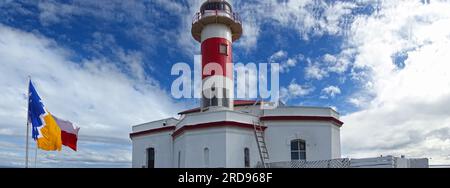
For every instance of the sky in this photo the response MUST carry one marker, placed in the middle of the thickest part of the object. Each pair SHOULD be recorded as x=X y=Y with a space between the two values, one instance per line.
x=105 y=65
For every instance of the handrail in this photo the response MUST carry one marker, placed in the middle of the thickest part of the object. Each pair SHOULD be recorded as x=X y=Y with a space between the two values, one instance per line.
x=233 y=15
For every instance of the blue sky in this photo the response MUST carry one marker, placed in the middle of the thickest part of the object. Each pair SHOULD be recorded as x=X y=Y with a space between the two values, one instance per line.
x=105 y=65
x=90 y=36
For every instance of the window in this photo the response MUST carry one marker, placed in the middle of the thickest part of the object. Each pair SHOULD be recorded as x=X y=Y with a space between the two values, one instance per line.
x=210 y=98
x=247 y=158
x=179 y=159
x=298 y=150
x=216 y=6
x=206 y=157
x=151 y=158
x=214 y=99
x=223 y=49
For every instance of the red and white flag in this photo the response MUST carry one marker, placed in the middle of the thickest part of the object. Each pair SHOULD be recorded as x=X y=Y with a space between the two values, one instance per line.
x=69 y=133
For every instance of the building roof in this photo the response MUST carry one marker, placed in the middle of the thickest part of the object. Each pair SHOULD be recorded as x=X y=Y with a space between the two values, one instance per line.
x=236 y=103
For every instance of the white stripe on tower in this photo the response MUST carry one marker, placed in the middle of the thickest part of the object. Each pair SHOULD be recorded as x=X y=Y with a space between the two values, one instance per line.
x=216 y=31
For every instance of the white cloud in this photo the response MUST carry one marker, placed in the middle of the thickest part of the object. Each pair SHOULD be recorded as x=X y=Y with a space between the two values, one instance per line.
x=285 y=62
x=338 y=63
x=249 y=40
x=92 y=85
x=132 y=11
x=96 y=95
x=314 y=71
x=356 y=102
x=324 y=66
x=409 y=111
x=278 y=55
x=291 y=62
x=137 y=16
x=328 y=58
x=294 y=90
x=331 y=91
x=308 y=17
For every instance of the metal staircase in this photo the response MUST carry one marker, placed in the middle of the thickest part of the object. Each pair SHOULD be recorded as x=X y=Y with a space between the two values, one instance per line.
x=261 y=142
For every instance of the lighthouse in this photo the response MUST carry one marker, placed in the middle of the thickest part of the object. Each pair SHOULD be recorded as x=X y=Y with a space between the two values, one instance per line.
x=227 y=133
x=216 y=26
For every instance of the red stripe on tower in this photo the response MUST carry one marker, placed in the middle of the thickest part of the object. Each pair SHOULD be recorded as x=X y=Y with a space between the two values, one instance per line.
x=217 y=50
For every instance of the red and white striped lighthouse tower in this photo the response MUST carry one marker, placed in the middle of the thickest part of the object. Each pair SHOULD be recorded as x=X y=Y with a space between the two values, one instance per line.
x=216 y=27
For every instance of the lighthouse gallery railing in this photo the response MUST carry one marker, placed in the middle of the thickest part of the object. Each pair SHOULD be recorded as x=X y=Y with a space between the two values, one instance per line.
x=207 y=13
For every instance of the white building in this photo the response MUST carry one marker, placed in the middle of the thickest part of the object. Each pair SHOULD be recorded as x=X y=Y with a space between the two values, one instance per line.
x=226 y=138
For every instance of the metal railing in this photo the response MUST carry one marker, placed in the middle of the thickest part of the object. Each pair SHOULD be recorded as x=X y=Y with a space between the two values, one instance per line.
x=439 y=166
x=334 y=163
x=207 y=13
x=376 y=162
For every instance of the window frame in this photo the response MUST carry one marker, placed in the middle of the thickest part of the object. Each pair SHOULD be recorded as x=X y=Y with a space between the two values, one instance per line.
x=246 y=157
x=299 y=151
x=206 y=157
x=226 y=49
x=151 y=157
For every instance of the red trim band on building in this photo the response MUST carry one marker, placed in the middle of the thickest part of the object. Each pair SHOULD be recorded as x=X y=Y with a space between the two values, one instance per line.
x=303 y=118
x=152 y=131
x=213 y=125
x=236 y=104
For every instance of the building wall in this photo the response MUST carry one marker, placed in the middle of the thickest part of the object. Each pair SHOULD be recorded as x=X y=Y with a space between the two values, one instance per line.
x=226 y=148
x=226 y=144
x=192 y=145
x=179 y=152
x=162 y=142
x=320 y=145
x=216 y=116
x=237 y=141
x=155 y=124
x=336 y=142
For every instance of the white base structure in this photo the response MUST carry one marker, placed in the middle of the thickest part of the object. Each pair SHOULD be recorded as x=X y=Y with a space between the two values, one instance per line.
x=227 y=138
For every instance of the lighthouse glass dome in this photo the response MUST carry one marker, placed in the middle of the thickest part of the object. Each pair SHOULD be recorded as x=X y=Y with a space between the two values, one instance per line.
x=216 y=5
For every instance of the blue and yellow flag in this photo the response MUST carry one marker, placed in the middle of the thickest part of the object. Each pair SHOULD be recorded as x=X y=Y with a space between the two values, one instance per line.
x=45 y=130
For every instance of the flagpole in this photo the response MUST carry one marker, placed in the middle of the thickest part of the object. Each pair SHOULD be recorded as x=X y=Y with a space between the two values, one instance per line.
x=28 y=122
x=35 y=156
